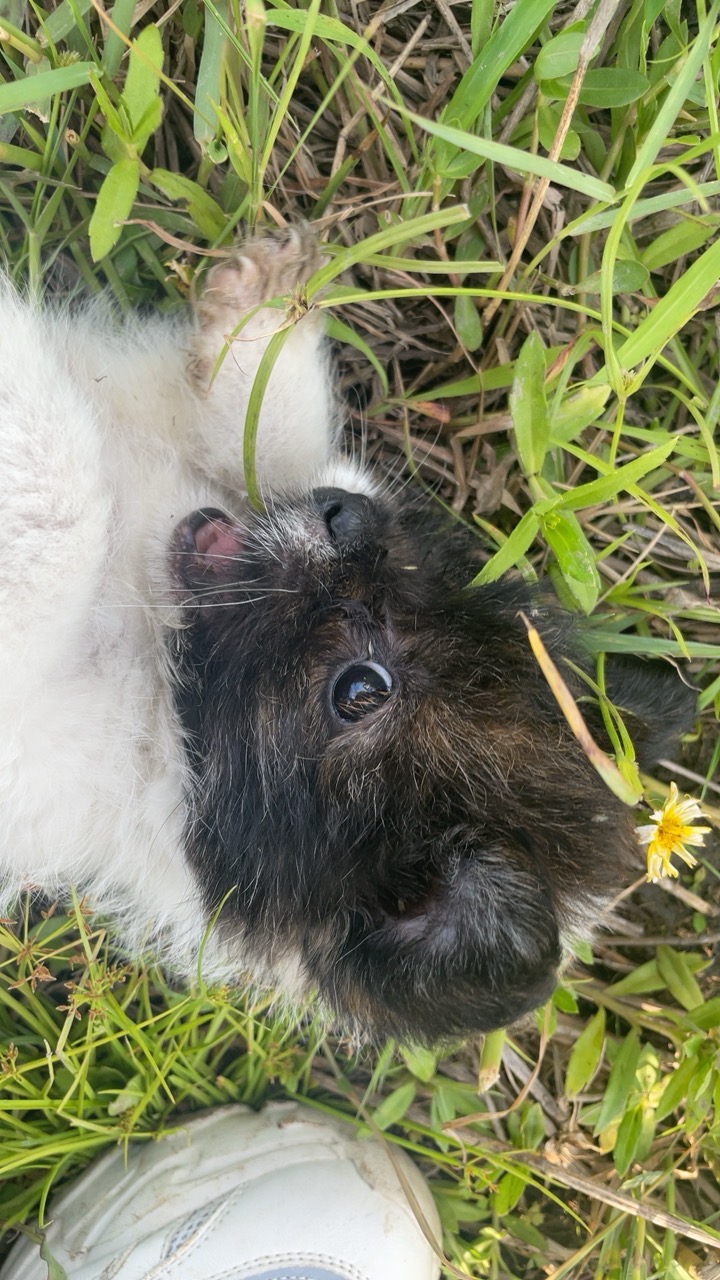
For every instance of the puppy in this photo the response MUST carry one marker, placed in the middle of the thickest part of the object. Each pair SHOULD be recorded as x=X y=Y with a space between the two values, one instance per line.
x=291 y=741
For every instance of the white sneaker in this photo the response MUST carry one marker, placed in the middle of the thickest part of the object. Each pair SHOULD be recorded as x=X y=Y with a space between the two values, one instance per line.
x=283 y=1194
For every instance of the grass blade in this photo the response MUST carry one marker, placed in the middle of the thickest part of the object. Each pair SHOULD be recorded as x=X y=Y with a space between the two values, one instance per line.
x=671 y=107
x=673 y=311
x=23 y=93
x=512 y=158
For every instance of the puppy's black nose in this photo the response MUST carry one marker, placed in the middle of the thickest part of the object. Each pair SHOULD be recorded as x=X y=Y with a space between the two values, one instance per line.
x=349 y=517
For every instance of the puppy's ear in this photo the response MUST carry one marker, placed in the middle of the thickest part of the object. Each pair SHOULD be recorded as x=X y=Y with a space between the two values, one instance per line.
x=478 y=951
x=658 y=706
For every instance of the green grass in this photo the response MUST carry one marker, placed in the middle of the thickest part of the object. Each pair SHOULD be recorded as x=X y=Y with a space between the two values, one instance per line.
x=518 y=212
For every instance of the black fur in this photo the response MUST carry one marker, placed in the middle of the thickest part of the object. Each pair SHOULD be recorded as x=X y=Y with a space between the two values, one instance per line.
x=424 y=860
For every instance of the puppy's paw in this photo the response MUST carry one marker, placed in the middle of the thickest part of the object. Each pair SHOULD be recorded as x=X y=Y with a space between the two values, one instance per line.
x=272 y=266
x=261 y=270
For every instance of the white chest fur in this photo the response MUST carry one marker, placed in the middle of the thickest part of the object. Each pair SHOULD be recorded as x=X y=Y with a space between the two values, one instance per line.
x=110 y=433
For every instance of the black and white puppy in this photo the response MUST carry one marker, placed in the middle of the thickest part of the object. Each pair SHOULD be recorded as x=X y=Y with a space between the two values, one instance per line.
x=302 y=722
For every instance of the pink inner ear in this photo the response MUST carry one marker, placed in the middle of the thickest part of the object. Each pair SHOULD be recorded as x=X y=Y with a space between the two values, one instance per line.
x=218 y=540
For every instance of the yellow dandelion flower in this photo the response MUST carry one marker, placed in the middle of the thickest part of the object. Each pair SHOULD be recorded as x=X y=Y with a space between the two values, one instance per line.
x=668 y=832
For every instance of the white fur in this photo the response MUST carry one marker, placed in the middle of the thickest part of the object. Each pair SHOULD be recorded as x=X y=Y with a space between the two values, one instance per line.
x=110 y=433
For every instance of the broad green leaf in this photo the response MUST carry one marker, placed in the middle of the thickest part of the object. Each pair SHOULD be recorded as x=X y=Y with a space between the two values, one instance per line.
x=610 y=485
x=678 y=979
x=613 y=87
x=112 y=207
x=707 y=1015
x=574 y=556
x=628 y=1139
x=576 y=412
x=532 y=1130
x=716 y=1099
x=548 y=121
x=620 y=1082
x=141 y=94
x=673 y=311
x=522 y=536
x=699 y=1096
x=509 y=1190
x=204 y=211
x=54 y=1270
x=676 y=1088
x=522 y=1230
x=565 y=1000
x=394 y=1106
x=146 y=127
x=528 y=406
x=628 y=276
x=114 y=144
x=443 y=1106
x=586 y=1055
x=514 y=158
x=685 y=237
x=647 y=1133
x=467 y=322
x=452 y=163
x=559 y=57
x=420 y=1061
x=16 y=94
x=457 y=1205
x=639 y=981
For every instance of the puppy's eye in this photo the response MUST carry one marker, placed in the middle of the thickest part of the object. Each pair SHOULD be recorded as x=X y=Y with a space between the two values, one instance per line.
x=360 y=690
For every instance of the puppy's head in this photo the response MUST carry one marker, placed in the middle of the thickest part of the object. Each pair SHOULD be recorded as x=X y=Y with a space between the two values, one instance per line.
x=385 y=793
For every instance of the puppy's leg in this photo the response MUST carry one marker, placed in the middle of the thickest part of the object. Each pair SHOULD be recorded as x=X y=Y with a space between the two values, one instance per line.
x=51 y=497
x=297 y=419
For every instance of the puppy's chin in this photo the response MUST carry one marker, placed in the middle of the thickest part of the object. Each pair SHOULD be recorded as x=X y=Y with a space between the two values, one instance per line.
x=476 y=954
x=447 y=1008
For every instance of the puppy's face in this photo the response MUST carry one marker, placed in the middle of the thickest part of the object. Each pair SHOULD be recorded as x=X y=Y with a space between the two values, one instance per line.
x=385 y=794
